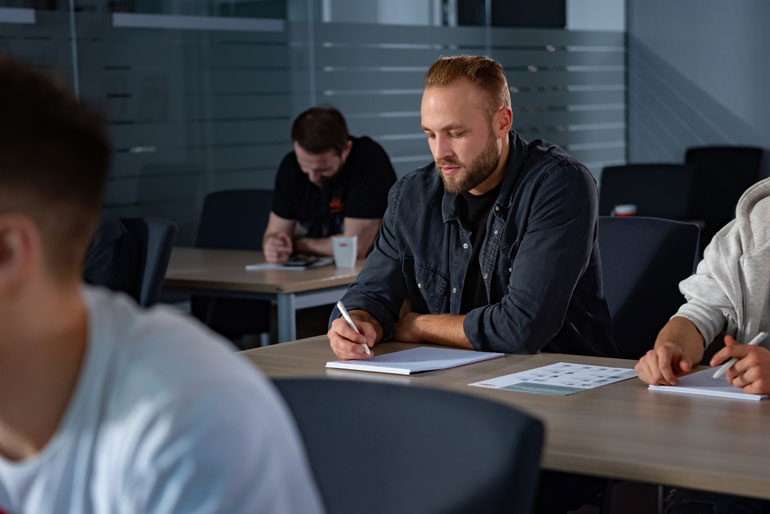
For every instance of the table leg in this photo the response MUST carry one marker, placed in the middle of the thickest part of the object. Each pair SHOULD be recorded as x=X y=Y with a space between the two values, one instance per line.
x=287 y=317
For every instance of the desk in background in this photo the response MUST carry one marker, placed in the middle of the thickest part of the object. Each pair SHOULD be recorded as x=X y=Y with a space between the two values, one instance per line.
x=621 y=430
x=223 y=273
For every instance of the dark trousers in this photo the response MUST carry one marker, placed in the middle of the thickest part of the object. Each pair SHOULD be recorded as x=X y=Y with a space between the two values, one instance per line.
x=561 y=492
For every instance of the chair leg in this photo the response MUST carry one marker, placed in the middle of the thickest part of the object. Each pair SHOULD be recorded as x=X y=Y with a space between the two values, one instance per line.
x=661 y=495
x=264 y=339
x=606 y=501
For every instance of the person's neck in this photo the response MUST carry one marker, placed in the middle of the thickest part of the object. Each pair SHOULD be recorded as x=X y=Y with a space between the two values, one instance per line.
x=40 y=362
x=496 y=177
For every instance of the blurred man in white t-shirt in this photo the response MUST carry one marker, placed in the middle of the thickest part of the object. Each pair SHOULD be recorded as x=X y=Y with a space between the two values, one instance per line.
x=106 y=408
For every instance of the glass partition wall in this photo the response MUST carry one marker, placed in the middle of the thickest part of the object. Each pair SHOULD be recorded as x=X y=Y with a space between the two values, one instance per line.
x=199 y=96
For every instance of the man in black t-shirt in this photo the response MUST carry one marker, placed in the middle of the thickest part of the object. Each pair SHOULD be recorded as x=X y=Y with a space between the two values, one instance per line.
x=331 y=184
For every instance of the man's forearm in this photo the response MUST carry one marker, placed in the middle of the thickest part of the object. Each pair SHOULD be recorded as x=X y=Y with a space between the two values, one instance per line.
x=445 y=329
x=683 y=332
x=314 y=246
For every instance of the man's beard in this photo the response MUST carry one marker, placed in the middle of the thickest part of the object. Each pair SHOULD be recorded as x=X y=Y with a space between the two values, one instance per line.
x=328 y=181
x=477 y=172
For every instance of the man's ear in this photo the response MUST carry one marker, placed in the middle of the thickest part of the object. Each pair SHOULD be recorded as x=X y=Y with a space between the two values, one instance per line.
x=346 y=150
x=19 y=249
x=502 y=121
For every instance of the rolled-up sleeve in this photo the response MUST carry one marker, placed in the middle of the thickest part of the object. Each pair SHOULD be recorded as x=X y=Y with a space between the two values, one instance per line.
x=552 y=255
x=380 y=288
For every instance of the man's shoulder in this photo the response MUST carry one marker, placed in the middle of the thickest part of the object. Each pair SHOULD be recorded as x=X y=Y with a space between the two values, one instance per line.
x=367 y=152
x=159 y=349
x=366 y=144
x=420 y=184
x=179 y=402
x=289 y=164
x=545 y=160
x=548 y=156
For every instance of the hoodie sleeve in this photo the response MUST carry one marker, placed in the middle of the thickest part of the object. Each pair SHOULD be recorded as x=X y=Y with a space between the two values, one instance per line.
x=712 y=291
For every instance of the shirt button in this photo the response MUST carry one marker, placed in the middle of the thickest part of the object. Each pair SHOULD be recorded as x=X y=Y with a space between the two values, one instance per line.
x=454 y=290
x=497 y=207
x=510 y=269
x=419 y=286
x=496 y=231
x=485 y=276
x=465 y=245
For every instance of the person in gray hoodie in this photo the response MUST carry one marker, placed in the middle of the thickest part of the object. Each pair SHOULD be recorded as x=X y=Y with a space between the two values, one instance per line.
x=727 y=298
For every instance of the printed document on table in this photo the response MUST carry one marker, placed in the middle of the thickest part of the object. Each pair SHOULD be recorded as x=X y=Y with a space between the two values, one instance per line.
x=704 y=383
x=415 y=360
x=562 y=378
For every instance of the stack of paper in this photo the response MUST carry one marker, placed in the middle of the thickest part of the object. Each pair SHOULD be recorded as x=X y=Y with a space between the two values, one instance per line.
x=415 y=360
x=704 y=383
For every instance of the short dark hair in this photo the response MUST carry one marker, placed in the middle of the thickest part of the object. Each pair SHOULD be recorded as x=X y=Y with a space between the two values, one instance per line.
x=54 y=160
x=482 y=72
x=320 y=129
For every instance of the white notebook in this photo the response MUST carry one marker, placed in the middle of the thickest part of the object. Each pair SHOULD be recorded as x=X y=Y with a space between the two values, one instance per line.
x=415 y=360
x=703 y=383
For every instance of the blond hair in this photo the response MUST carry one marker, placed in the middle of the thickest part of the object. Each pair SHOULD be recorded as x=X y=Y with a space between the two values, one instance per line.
x=483 y=72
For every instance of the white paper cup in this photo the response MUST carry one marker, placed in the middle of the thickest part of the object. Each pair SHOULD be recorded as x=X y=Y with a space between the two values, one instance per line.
x=624 y=209
x=345 y=251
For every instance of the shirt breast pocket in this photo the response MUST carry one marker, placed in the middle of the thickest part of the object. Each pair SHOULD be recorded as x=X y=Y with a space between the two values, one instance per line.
x=427 y=288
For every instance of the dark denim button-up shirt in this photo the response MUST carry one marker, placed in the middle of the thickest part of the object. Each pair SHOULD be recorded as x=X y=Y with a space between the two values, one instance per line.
x=539 y=260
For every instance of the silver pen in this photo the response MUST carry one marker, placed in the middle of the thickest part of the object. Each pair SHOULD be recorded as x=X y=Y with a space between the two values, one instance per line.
x=724 y=367
x=347 y=317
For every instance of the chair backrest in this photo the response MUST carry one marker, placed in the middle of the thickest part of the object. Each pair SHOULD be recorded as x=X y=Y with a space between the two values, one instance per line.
x=155 y=239
x=724 y=173
x=643 y=261
x=660 y=190
x=234 y=219
x=385 y=448
x=733 y=162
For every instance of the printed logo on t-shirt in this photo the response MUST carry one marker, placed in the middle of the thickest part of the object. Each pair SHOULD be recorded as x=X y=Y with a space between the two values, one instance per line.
x=336 y=205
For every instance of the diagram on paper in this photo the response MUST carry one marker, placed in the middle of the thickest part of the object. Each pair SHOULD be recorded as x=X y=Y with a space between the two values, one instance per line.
x=562 y=378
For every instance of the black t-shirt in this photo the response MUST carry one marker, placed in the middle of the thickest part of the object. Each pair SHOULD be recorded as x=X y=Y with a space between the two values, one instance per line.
x=476 y=209
x=359 y=190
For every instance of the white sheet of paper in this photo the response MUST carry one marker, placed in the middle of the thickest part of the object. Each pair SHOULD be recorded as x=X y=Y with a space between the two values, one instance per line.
x=264 y=266
x=415 y=360
x=562 y=378
x=704 y=383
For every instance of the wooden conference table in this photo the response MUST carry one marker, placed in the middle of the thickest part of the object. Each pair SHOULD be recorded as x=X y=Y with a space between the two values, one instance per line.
x=621 y=430
x=223 y=273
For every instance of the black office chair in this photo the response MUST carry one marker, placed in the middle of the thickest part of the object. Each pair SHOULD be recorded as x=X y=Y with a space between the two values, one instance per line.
x=234 y=220
x=659 y=190
x=155 y=239
x=643 y=261
x=724 y=173
x=391 y=449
